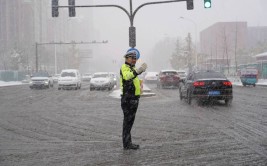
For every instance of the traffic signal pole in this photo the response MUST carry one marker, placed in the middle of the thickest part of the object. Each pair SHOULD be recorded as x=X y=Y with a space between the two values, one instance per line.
x=131 y=14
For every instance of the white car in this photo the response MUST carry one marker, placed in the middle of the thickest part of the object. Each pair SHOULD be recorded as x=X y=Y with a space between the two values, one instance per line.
x=69 y=79
x=87 y=77
x=182 y=74
x=55 y=77
x=41 y=79
x=151 y=77
x=101 y=80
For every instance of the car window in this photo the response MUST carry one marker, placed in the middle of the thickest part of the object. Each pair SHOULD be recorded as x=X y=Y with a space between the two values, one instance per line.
x=68 y=74
x=100 y=75
x=203 y=75
x=169 y=73
x=40 y=74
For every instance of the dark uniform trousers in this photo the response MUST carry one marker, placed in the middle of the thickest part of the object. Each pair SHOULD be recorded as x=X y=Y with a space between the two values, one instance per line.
x=129 y=107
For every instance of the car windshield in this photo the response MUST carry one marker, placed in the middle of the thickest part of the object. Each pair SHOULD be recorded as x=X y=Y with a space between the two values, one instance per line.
x=100 y=75
x=169 y=73
x=207 y=75
x=40 y=74
x=68 y=74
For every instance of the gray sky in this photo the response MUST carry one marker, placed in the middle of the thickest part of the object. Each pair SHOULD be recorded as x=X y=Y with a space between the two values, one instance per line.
x=154 y=22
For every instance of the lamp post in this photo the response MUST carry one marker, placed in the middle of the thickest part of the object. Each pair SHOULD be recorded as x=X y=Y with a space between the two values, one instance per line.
x=195 y=26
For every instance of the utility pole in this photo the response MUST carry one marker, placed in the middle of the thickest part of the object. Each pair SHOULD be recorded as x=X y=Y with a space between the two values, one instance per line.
x=131 y=14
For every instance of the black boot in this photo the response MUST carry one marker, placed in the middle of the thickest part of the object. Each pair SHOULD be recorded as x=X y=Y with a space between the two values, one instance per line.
x=132 y=146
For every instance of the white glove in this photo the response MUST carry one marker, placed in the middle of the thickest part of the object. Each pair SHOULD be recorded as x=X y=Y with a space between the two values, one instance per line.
x=142 y=68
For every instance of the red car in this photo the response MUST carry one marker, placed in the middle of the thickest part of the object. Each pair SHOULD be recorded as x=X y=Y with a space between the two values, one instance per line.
x=168 y=78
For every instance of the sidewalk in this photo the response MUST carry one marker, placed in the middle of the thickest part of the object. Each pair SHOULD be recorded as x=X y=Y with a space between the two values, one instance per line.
x=237 y=82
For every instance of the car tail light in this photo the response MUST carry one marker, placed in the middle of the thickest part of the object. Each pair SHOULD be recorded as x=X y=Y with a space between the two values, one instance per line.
x=199 y=83
x=227 y=83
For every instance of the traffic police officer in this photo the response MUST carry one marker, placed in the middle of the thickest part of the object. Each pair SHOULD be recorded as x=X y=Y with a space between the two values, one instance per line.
x=131 y=90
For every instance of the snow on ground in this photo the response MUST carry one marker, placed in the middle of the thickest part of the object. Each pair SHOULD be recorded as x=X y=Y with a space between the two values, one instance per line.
x=10 y=83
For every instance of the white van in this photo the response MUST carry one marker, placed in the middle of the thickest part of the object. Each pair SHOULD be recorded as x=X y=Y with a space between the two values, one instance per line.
x=69 y=79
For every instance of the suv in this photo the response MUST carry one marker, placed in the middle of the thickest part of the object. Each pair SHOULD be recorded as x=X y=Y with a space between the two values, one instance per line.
x=41 y=79
x=69 y=79
x=168 y=78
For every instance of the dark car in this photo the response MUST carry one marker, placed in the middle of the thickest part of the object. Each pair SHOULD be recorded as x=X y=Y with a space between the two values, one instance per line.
x=206 y=85
x=168 y=78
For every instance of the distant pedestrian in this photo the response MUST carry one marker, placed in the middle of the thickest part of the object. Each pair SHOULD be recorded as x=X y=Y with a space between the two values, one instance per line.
x=131 y=90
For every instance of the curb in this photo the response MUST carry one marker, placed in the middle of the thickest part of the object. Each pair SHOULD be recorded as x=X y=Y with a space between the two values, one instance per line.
x=148 y=94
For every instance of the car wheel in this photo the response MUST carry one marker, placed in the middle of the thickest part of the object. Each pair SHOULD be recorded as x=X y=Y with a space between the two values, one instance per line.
x=181 y=95
x=59 y=88
x=189 y=98
x=228 y=102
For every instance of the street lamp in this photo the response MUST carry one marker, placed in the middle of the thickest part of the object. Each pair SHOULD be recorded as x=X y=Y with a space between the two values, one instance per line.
x=195 y=25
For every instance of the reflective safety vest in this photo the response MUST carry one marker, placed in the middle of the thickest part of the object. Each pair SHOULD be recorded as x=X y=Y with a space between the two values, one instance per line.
x=129 y=82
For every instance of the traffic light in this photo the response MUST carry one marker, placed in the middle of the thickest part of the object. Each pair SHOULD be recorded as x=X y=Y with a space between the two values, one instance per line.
x=132 y=37
x=55 y=8
x=190 y=4
x=207 y=3
x=72 y=12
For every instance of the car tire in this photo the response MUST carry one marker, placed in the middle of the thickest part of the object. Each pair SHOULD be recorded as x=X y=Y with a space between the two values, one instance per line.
x=59 y=88
x=228 y=102
x=189 y=98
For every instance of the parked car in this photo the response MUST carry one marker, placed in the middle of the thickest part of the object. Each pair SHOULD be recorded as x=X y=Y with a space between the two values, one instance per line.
x=206 y=85
x=87 y=77
x=101 y=80
x=151 y=77
x=41 y=79
x=168 y=78
x=69 y=79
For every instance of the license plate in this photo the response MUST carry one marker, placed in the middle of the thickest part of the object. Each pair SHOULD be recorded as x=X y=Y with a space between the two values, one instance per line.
x=214 y=93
